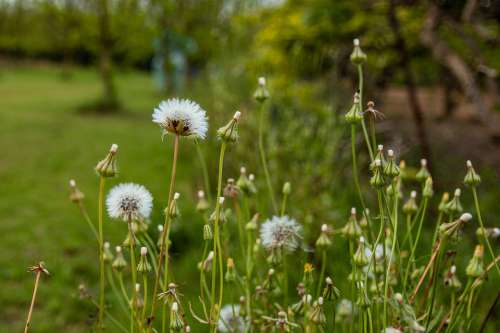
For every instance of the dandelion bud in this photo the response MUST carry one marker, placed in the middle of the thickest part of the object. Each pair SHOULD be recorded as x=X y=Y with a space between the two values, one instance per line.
x=176 y=322
x=244 y=183
x=144 y=266
x=323 y=240
x=451 y=279
x=471 y=177
x=330 y=293
x=261 y=94
x=75 y=194
x=107 y=256
x=173 y=209
x=391 y=169
x=317 y=315
x=354 y=115
x=363 y=223
x=360 y=258
x=454 y=206
x=257 y=245
x=202 y=205
x=218 y=214
x=410 y=207
x=252 y=224
x=230 y=271
x=345 y=311
x=231 y=190
x=378 y=157
x=187 y=329
x=207 y=232
x=352 y=230
x=428 y=191
x=475 y=267
x=444 y=201
x=483 y=233
x=287 y=188
x=358 y=57
x=423 y=173
x=451 y=229
x=207 y=263
x=377 y=179
x=119 y=263
x=107 y=167
x=229 y=132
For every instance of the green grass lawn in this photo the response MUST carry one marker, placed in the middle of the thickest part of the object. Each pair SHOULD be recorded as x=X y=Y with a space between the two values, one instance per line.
x=44 y=143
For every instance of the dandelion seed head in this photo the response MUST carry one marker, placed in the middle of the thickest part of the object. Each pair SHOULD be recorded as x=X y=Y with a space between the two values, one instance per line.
x=230 y=319
x=237 y=115
x=271 y=271
x=243 y=170
x=466 y=217
x=328 y=280
x=378 y=162
x=280 y=232
x=210 y=255
x=137 y=287
x=353 y=211
x=320 y=300
x=129 y=201
x=187 y=329
x=221 y=200
x=453 y=269
x=380 y=147
x=160 y=228
x=182 y=117
x=362 y=240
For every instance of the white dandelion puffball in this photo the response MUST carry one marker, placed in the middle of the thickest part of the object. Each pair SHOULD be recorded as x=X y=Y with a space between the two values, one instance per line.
x=129 y=201
x=230 y=319
x=182 y=117
x=280 y=232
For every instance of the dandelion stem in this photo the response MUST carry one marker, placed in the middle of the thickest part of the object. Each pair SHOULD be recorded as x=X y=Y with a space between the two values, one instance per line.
x=363 y=125
x=478 y=212
x=133 y=269
x=112 y=283
x=263 y=158
x=100 y=322
x=433 y=292
x=283 y=204
x=33 y=298
x=322 y=274
x=87 y=218
x=204 y=170
x=166 y=226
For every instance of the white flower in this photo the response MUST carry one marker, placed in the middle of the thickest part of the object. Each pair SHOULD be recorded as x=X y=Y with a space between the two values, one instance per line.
x=280 y=232
x=182 y=117
x=230 y=320
x=129 y=201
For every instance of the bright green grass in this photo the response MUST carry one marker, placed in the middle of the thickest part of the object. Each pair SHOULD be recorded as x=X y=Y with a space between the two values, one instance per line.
x=44 y=143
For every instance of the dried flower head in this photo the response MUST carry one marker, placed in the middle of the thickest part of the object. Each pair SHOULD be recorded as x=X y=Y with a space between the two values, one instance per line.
x=129 y=201
x=281 y=232
x=181 y=117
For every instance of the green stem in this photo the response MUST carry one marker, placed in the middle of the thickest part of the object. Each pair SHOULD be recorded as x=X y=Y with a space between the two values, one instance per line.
x=322 y=274
x=204 y=169
x=478 y=212
x=263 y=158
x=116 y=291
x=434 y=287
x=382 y=223
x=87 y=218
x=166 y=226
x=363 y=125
x=133 y=269
x=145 y=291
x=283 y=204
x=100 y=324
x=285 y=279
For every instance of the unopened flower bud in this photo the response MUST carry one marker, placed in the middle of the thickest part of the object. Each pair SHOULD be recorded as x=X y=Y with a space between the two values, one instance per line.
x=261 y=94
x=287 y=188
x=428 y=190
x=423 y=173
x=229 y=132
x=358 y=57
x=107 y=167
x=202 y=205
x=471 y=177
x=475 y=267
x=75 y=194
x=354 y=115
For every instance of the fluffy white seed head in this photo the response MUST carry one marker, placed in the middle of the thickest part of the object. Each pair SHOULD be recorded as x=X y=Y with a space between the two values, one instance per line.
x=356 y=41
x=271 y=271
x=114 y=148
x=237 y=115
x=413 y=194
x=230 y=319
x=496 y=232
x=398 y=297
x=458 y=192
x=129 y=201
x=280 y=232
x=118 y=249
x=466 y=217
x=144 y=251
x=262 y=81
x=324 y=228
x=181 y=117
x=423 y=162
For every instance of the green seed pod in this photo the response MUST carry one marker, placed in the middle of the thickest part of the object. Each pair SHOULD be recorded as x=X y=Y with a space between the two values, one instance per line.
x=410 y=207
x=244 y=184
x=352 y=230
x=323 y=240
x=229 y=132
x=428 y=191
x=377 y=179
x=261 y=94
x=144 y=266
x=423 y=173
x=354 y=115
x=454 y=206
x=475 y=267
x=360 y=258
x=317 y=314
x=391 y=169
x=107 y=167
x=358 y=57
x=230 y=271
x=202 y=205
x=107 y=256
x=207 y=232
x=471 y=177
x=119 y=263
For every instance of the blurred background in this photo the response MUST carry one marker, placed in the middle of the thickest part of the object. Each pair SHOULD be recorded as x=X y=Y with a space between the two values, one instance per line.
x=79 y=75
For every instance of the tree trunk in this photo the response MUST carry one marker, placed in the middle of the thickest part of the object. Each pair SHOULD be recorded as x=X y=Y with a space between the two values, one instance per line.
x=404 y=63
x=109 y=99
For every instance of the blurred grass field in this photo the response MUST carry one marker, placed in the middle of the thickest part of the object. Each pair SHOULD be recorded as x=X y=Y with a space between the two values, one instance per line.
x=45 y=142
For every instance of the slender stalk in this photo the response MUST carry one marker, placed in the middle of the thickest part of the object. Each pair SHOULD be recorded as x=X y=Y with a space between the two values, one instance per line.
x=285 y=279
x=87 y=218
x=217 y=249
x=102 y=285
x=283 y=204
x=433 y=292
x=145 y=291
x=478 y=212
x=363 y=125
x=263 y=158
x=382 y=223
x=33 y=298
x=117 y=293
x=166 y=226
x=133 y=269
x=204 y=169
x=322 y=274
